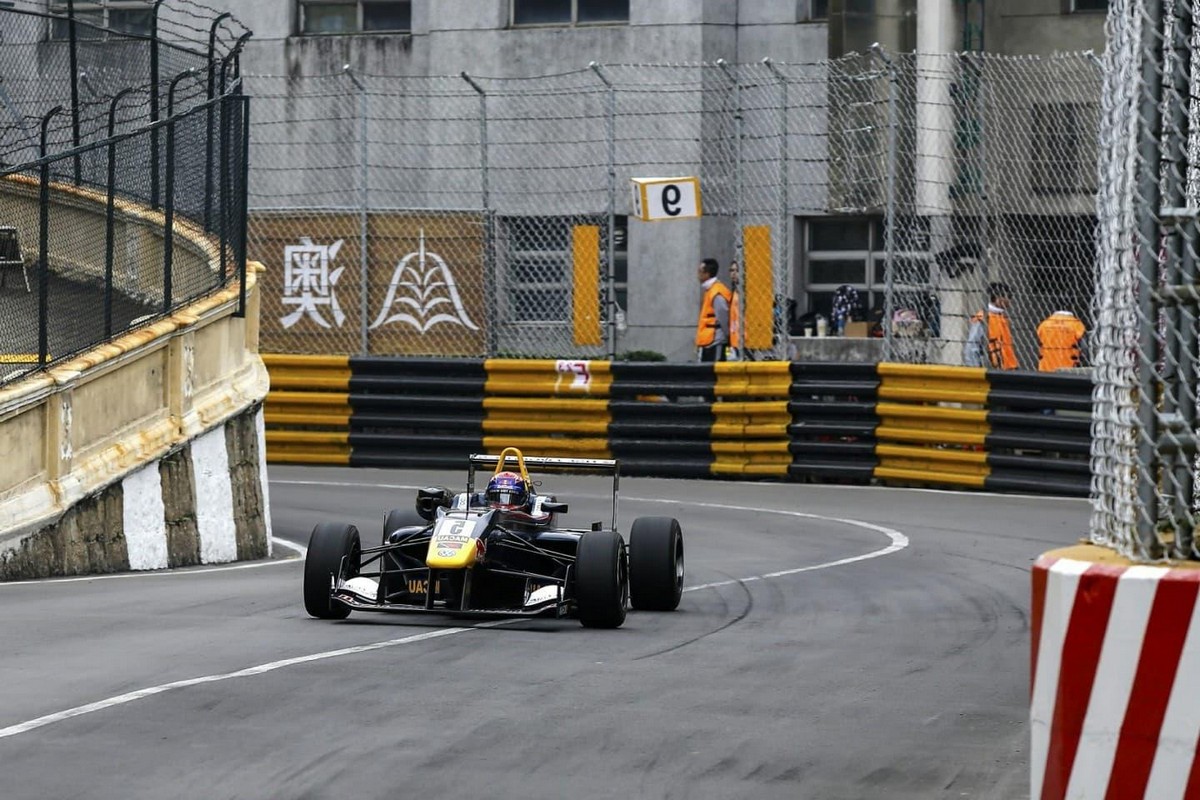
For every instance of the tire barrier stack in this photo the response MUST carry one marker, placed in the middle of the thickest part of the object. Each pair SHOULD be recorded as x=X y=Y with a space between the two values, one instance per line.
x=894 y=423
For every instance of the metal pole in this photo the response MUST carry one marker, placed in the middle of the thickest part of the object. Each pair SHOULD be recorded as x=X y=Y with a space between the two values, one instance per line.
x=739 y=244
x=1179 y=400
x=610 y=276
x=490 y=282
x=363 y=202
x=890 y=227
x=1147 y=205
x=44 y=243
x=110 y=209
x=169 y=203
x=244 y=205
x=154 y=78
x=208 y=130
x=785 y=228
x=74 y=57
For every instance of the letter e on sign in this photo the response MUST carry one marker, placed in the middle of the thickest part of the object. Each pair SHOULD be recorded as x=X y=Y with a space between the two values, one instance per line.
x=656 y=199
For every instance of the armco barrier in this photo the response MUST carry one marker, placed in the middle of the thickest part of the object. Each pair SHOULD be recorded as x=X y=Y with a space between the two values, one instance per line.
x=832 y=421
x=896 y=423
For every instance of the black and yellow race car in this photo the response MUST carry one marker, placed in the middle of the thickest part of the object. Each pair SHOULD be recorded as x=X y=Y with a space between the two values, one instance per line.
x=504 y=555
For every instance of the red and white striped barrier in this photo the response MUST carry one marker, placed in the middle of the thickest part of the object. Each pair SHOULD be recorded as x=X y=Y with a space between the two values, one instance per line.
x=1115 y=709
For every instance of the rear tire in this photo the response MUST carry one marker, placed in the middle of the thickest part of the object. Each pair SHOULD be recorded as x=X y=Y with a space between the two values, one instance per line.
x=655 y=564
x=328 y=545
x=601 y=579
x=401 y=518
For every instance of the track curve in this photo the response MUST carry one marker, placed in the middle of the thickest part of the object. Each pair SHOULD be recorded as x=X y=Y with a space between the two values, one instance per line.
x=834 y=642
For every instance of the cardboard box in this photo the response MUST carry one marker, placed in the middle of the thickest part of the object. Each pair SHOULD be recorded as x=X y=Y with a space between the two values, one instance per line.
x=857 y=330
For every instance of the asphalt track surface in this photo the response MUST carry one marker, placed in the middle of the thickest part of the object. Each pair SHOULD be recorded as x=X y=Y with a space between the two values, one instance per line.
x=882 y=656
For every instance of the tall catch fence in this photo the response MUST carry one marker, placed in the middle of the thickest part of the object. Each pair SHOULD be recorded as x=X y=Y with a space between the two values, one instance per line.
x=464 y=215
x=122 y=172
x=1148 y=288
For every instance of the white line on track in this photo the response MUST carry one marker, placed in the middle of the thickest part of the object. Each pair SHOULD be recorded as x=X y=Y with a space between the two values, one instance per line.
x=299 y=549
x=898 y=542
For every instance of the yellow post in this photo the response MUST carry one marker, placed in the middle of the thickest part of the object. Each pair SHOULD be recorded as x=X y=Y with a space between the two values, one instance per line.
x=758 y=287
x=586 y=297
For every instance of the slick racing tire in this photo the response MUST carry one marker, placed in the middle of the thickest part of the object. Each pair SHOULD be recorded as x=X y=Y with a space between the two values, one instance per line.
x=655 y=564
x=401 y=518
x=601 y=579
x=328 y=545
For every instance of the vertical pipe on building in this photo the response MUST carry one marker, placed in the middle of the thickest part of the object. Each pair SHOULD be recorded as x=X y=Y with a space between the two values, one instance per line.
x=364 y=272
x=44 y=242
x=610 y=276
x=154 y=68
x=1147 y=205
x=491 y=285
x=73 y=45
x=889 y=228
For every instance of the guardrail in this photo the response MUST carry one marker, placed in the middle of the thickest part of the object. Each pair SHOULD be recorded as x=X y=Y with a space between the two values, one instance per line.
x=894 y=423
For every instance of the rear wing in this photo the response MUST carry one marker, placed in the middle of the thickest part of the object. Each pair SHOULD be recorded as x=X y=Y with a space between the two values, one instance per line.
x=563 y=466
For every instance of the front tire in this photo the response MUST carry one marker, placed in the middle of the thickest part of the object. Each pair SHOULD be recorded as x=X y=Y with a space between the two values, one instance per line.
x=655 y=563
x=601 y=579
x=334 y=552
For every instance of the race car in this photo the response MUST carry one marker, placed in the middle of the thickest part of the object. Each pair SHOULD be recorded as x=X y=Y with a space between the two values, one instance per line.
x=498 y=552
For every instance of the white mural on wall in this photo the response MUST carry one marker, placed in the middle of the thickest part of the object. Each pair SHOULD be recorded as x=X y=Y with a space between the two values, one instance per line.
x=308 y=283
x=423 y=294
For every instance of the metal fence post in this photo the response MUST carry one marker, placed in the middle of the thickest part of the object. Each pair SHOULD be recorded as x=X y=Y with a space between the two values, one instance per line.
x=491 y=283
x=169 y=200
x=610 y=276
x=208 y=129
x=363 y=205
x=889 y=301
x=74 y=58
x=44 y=243
x=111 y=186
x=785 y=227
x=154 y=78
x=1147 y=205
x=244 y=204
x=739 y=245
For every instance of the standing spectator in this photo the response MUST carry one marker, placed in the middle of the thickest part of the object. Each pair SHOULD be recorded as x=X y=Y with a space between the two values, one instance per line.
x=712 y=328
x=989 y=338
x=1059 y=338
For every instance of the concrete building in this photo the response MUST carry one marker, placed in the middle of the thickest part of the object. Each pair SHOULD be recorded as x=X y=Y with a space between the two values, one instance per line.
x=821 y=242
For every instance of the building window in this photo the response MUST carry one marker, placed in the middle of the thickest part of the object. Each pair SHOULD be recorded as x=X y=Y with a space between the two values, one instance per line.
x=1063 y=143
x=101 y=19
x=852 y=251
x=569 y=12
x=818 y=9
x=538 y=265
x=1089 y=5
x=355 y=16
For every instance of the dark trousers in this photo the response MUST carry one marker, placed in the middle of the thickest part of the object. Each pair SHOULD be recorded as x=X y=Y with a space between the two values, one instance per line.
x=714 y=352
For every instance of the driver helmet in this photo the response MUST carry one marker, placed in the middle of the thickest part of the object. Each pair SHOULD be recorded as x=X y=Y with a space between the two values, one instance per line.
x=507 y=490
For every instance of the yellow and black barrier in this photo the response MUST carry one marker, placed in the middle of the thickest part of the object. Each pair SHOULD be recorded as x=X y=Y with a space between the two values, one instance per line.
x=894 y=423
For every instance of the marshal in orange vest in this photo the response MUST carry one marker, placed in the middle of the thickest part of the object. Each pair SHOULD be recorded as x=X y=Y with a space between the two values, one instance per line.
x=1059 y=336
x=706 y=325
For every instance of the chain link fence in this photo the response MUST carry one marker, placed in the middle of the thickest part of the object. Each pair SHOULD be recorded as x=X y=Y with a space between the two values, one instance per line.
x=1144 y=425
x=947 y=173
x=122 y=183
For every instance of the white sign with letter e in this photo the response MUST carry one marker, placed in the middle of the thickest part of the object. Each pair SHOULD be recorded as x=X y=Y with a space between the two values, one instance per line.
x=666 y=198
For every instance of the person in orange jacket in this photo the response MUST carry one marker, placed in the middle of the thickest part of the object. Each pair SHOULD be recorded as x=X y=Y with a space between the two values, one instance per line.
x=1060 y=336
x=989 y=338
x=712 y=328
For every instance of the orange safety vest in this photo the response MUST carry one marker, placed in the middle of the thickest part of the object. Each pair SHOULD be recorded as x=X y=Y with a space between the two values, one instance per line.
x=1059 y=336
x=735 y=330
x=1000 y=350
x=706 y=326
